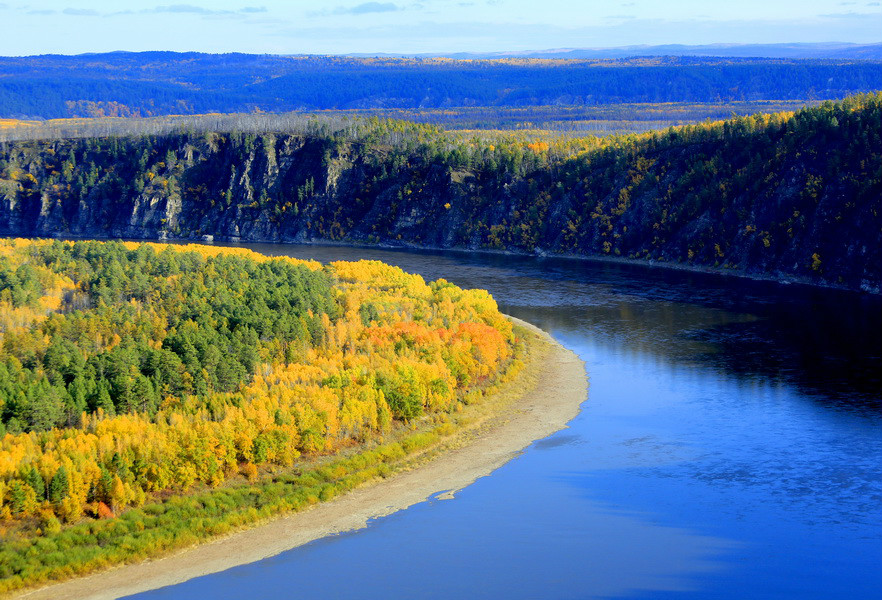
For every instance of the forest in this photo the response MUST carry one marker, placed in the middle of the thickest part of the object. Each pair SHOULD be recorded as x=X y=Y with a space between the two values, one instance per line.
x=153 y=395
x=575 y=121
x=146 y=84
x=143 y=386
x=789 y=195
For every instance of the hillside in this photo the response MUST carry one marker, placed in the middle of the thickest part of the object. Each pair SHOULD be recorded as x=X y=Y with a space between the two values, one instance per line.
x=135 y=379
x=162 y=83
x=794 y=196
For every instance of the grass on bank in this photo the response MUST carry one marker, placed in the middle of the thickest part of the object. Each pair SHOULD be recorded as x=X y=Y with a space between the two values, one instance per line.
x=176 y=522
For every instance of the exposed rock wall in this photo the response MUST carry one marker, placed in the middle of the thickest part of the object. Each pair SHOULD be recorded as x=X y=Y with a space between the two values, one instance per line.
x=784 y=216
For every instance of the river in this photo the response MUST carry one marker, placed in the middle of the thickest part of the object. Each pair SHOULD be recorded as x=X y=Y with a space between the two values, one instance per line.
x=730 y=447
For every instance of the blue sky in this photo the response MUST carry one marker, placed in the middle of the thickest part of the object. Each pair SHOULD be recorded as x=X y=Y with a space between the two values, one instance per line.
x=415 y=26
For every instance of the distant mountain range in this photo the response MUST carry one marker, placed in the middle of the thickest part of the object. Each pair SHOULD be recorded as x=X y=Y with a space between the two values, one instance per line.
x=162 y=83
x=835 y=50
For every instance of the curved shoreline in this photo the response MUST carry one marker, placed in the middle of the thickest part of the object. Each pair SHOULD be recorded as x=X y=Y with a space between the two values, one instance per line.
x=556 y=386
x=780 y=279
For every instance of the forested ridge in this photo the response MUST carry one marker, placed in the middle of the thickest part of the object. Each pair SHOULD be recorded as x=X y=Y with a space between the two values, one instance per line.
x=785 y=195
x=133 y=376
x=162 y=83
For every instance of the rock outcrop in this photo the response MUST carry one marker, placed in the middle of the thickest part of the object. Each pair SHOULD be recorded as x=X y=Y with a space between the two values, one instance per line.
x=792 y=197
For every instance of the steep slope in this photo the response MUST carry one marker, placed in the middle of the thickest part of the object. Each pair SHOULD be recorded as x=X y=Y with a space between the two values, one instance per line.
x=792 y=196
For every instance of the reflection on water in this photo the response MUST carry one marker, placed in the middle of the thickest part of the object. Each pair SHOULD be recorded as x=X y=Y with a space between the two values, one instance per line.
x=730 y=447
x=556 y=441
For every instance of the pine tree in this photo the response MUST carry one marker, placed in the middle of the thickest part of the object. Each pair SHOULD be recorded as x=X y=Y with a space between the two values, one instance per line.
x=35 y=480
x=59 y=486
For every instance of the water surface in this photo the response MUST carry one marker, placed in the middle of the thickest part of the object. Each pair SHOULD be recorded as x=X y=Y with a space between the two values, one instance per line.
x=730 y=447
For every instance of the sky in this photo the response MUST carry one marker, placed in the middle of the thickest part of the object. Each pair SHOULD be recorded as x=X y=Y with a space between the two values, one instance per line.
x=422 y=26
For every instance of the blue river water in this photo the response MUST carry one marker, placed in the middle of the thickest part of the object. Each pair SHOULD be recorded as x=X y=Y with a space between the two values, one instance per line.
x=730 y=447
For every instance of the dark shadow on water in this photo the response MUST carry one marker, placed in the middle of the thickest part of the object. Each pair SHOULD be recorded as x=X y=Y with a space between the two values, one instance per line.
x=730 y=447
x=556 y=441
x=826 y=342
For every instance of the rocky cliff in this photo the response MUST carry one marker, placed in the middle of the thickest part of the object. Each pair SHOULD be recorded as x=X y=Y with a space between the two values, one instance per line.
x=795 y=197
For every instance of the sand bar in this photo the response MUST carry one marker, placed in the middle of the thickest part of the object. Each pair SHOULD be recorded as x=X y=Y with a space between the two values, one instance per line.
x=551 y=390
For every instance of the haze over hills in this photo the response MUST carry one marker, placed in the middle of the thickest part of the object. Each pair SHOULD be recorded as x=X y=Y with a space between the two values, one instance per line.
x=836 y=50
x=162 y=83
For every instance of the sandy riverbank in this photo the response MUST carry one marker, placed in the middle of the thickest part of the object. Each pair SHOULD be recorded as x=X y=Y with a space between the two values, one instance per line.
x=537 y=403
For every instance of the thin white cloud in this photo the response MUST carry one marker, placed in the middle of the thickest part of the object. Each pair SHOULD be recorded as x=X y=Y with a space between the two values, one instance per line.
x=185 y=8
x=366 y=8
x=849 y=15
x=201 y=10
x=81 y=12
x=410 y=26
x=178 y=9
x=475 y=36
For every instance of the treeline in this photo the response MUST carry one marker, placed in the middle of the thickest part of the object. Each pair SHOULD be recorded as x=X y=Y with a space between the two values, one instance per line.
x=598 y=119
x=163 y=83
x=317 y=125
x=765 y=194
x=205 y=328
x=168 y=367
x=549 y=120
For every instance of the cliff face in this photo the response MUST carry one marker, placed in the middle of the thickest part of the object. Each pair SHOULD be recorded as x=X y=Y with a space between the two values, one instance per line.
x=789 y=205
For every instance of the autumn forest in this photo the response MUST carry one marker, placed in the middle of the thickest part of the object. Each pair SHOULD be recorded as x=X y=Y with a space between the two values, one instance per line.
x=163 y=385
x=132 y=372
